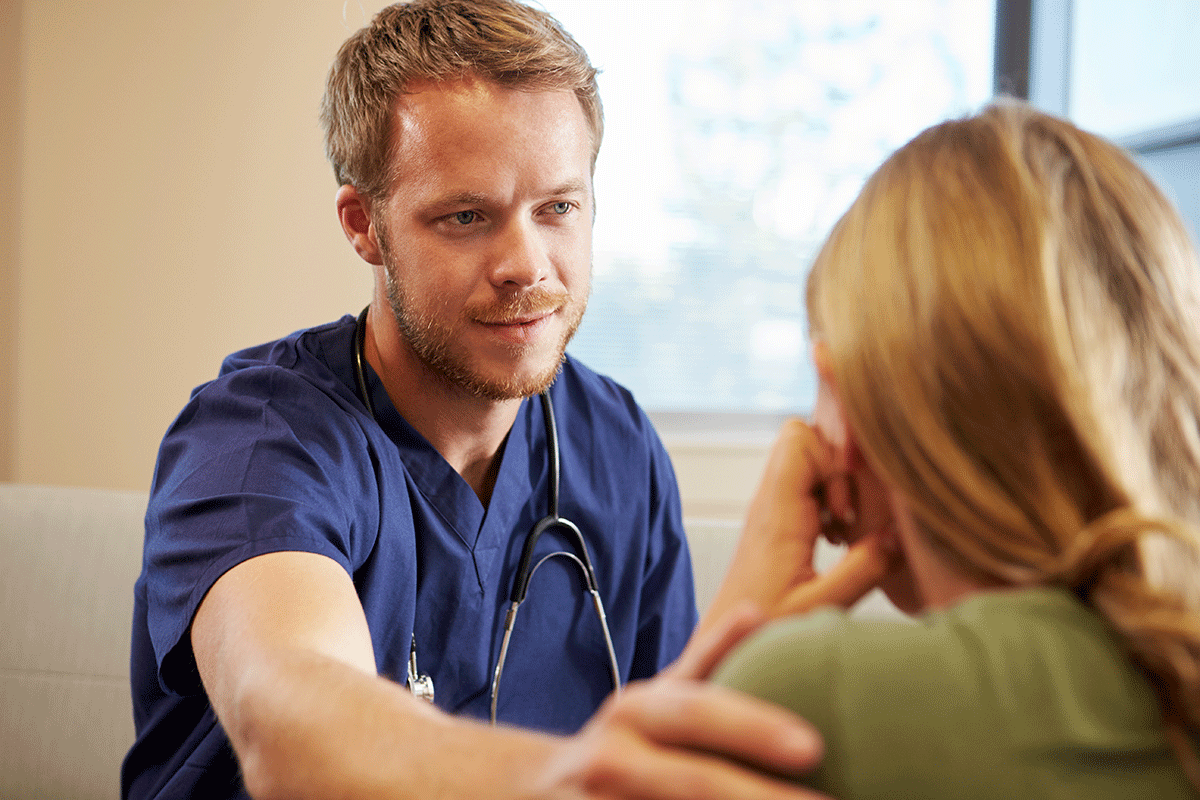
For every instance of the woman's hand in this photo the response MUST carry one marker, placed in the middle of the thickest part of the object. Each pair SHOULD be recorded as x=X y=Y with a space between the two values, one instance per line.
x=806 y=491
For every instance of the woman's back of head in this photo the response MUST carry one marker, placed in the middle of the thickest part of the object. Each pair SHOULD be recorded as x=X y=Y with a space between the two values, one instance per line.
x=1012 y=316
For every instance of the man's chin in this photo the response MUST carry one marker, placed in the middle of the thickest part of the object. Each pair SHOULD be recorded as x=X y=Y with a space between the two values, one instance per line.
x=494 y=382
x=515 y=387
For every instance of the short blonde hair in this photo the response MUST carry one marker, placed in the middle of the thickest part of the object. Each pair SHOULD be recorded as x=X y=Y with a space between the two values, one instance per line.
x=503 y=41
x=1011 y=309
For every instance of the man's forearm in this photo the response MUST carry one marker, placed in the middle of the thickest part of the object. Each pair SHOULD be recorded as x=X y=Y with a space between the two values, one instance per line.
x=304 y=725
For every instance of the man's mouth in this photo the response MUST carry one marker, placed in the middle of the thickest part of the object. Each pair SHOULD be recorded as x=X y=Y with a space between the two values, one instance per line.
x=519 y=326
x=523 y=319
x=522 y=309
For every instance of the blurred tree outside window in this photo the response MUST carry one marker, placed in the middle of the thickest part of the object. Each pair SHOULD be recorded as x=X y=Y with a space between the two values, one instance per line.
x=737 y=132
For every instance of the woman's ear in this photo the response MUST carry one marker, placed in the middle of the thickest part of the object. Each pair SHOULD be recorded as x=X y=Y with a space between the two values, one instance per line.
x=829 y=416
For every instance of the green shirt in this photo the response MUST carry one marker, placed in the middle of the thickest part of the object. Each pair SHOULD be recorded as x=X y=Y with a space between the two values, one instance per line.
x=1019 y=694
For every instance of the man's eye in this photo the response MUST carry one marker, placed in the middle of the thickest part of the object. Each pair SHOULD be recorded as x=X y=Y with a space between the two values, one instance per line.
x=465 y=217
x=560 y=208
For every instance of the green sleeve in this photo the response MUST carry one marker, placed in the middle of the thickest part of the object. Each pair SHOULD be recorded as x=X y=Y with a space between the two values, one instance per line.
x=1006 y=695
x=793 y=663
x=881 y=694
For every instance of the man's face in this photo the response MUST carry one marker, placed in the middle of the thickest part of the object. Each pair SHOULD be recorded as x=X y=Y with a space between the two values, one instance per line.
x=486 y=238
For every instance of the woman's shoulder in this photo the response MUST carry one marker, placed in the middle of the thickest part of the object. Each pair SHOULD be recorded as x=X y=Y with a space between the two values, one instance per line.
x=788 y=655
x=1005 y=640
x=1015 y=686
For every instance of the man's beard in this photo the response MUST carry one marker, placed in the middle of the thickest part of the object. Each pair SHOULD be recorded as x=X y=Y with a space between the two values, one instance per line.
x=433 y=341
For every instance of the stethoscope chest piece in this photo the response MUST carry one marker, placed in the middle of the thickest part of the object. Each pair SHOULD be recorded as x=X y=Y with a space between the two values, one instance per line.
x=419 y=684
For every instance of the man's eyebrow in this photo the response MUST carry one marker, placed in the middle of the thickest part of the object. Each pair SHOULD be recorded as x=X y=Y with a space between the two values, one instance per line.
x=459 y=199
x=468 y=198
x=571 y=187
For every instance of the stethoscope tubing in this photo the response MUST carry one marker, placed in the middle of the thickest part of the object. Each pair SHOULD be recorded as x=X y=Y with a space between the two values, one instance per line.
x=510 y=621
x=525 y=569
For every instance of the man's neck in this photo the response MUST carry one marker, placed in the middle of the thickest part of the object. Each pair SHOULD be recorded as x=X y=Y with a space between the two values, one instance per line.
x=468 y=431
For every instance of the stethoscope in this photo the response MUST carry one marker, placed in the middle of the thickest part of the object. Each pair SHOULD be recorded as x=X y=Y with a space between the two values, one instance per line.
x=421 y=684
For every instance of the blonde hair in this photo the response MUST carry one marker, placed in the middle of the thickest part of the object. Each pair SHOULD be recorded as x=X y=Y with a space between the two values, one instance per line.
x=1011 y=312
x=503 y=41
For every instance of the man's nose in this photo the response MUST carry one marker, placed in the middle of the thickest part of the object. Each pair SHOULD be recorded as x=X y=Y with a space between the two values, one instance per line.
x=521 y=257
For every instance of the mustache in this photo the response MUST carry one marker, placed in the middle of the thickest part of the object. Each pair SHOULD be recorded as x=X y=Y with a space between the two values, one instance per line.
x=534 y=302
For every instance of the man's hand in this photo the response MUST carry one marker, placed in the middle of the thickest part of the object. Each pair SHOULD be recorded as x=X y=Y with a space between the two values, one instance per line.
x=677 y=737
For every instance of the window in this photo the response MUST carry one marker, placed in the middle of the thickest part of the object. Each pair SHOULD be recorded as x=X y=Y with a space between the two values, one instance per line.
x=1126 y=71
x=737 y=132
x=1148 y=81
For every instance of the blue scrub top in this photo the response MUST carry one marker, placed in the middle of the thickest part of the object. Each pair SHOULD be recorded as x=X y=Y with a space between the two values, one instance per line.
x=279 y=453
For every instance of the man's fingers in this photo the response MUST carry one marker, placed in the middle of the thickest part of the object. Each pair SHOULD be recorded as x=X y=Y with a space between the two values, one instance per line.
x=710 y=741
x=707 y=647
x=679 y=775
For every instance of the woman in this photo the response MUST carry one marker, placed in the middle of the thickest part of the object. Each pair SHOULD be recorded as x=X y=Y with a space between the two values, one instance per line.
x=1006 y=332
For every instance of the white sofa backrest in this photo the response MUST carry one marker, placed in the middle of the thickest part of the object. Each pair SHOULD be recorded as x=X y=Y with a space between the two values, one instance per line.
x=711 y=542
x=68 y=561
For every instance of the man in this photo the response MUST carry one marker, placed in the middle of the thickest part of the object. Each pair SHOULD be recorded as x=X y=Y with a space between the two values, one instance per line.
x=343 y=512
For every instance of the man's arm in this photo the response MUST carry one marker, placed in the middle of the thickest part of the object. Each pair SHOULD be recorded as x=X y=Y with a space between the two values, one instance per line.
x=285 y=655
x=283 y=650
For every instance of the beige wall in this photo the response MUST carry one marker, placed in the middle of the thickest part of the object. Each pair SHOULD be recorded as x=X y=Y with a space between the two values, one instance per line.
x=174 y=205
x=10 y=127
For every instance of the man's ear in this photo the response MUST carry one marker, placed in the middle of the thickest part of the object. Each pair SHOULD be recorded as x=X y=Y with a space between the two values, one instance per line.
x=354 y=212
x=829 y=415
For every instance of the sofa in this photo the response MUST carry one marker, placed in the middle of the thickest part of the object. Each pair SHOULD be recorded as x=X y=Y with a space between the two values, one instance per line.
x=70 y=558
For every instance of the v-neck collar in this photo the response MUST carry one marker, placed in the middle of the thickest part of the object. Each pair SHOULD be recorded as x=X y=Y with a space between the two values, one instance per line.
x=447 y=492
